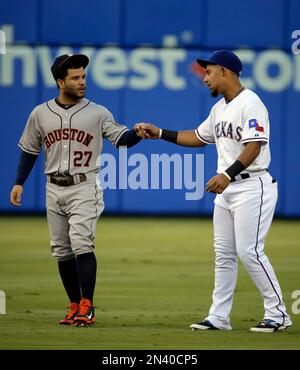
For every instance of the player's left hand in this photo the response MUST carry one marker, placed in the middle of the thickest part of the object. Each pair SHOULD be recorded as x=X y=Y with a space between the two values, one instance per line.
x=217 y=184
x=16 y=195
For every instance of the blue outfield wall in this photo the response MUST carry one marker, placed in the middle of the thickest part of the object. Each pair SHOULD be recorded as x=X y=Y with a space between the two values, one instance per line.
x=142 y=68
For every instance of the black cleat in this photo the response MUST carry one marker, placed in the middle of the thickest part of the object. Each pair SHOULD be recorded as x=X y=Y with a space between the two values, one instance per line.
x=203 y=325
x=268 y=326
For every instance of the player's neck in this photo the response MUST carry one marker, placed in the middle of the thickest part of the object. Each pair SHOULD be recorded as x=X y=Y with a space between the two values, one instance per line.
x=233 y=91
x=66 y=100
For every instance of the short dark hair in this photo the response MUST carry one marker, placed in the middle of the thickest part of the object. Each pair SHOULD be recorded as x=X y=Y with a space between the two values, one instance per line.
x=63 y=72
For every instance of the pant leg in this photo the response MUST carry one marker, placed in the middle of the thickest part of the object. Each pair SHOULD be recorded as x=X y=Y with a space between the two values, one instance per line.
x=57 y=224
x=253 y=213
x=84 y=204
x=226 y=268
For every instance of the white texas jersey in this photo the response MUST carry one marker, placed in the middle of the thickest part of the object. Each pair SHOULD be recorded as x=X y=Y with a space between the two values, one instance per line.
x=230 y=125
x=72 y=139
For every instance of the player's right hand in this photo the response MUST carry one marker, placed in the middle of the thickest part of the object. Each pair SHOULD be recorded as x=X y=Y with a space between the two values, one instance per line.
x=16 y=195
x=146 y=130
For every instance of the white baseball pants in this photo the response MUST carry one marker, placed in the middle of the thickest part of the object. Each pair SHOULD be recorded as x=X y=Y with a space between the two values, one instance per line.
x=242 y=217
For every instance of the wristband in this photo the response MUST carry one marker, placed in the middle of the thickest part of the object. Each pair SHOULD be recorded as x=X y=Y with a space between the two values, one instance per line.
x=160 y=132
x=169 y=135
x=236 y=168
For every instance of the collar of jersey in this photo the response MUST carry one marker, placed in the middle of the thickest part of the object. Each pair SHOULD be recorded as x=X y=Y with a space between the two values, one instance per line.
x=57 y=109
x=239 y=94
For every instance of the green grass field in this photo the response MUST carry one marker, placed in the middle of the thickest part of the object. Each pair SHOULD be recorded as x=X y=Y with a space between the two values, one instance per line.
x=155 y=278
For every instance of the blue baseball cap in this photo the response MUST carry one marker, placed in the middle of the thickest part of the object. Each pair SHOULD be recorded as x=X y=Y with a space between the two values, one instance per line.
x=63 y=62
x=224 y=58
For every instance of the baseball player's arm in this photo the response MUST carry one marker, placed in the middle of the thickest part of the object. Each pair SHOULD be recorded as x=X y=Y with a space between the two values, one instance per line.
x=183 y=138
x=129 y=139
x=249 y=153
x=25 y=166
x=219 y=183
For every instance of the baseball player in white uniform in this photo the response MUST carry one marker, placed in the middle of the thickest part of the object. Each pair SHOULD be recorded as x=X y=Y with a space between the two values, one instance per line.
x=71 y=129
x=246 y=192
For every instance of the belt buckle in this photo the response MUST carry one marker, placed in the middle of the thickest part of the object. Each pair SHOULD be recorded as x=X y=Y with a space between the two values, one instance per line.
x=64 y=182
x=59 y=181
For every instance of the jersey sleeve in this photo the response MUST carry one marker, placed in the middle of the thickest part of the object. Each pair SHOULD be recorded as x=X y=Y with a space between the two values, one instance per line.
x=204 y=131
x=111 y=130
x=256 y=124
x=31 y=139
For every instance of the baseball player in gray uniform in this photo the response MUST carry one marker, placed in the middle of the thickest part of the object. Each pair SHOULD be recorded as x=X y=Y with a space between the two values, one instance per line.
x=71 y=129
x=246 y=193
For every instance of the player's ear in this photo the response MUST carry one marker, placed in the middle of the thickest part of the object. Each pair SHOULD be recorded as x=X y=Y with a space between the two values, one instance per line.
x=60 y=83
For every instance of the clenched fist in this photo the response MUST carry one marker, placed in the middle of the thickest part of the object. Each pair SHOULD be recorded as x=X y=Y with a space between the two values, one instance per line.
x=147 y=130
x=15 y=195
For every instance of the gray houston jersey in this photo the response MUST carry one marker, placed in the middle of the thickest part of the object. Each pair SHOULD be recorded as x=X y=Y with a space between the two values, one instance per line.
x=72 y=138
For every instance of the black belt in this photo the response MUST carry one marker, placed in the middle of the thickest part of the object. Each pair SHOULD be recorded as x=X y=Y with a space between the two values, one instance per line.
x=243 y=177
x=67 y=180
